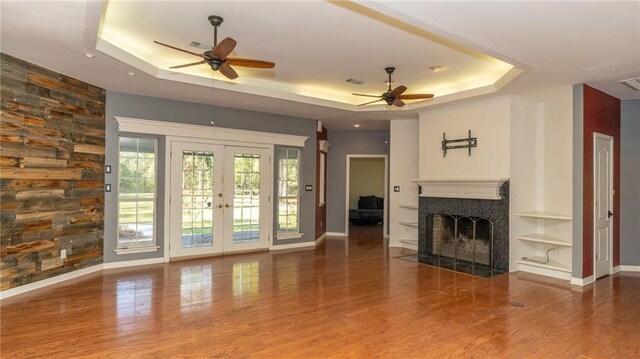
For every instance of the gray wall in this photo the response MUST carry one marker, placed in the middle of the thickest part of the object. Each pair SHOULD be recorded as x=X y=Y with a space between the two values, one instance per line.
x=159 y=109
x=345 y=143
x=630 y=183
x=578 y=148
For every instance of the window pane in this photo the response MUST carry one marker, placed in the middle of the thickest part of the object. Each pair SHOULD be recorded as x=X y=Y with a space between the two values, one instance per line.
x=136 y=192
x=288 y=190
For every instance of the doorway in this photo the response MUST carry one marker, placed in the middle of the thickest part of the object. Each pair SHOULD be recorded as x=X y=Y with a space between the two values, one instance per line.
x=366 y=188
x=219 y=199
x=602 y=204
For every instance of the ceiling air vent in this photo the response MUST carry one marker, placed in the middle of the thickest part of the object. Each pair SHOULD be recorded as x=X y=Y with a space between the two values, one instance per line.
x=200 y=45
x=355 y=82
x=633 y=83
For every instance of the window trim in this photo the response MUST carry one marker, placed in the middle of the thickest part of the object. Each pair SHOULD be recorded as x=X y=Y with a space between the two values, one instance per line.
x=281 y=235
x=142 y=248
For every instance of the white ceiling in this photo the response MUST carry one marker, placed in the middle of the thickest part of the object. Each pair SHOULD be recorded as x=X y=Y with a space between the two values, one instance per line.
x=317 y=45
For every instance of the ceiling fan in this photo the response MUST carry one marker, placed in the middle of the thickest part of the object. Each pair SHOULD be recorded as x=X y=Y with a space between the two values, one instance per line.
x=217 y=56
x=394 y=97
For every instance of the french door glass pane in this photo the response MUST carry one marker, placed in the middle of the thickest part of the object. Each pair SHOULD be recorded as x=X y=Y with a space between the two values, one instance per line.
x=197 y=199
x=246 y=198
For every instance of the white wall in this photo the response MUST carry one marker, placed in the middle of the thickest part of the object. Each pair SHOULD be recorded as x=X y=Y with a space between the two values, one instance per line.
x=525 y=154
x=403 y=168
x=488 y=120
x=526 y=138
x=554 y=170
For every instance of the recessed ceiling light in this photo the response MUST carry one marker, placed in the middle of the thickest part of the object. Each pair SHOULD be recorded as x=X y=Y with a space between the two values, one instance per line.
x=89 y=55
x=131 y=73
x=436 y=68
x=356 y=125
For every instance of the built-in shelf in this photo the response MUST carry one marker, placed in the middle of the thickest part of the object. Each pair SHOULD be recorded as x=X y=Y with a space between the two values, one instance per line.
x=553 y=265
x=410 y=224
x=543 y=219
x=543 y=238
x=544 y=215
x=409 y=241
x=410 y=206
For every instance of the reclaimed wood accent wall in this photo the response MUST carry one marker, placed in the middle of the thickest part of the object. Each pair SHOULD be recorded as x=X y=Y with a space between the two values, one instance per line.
x=52 y=144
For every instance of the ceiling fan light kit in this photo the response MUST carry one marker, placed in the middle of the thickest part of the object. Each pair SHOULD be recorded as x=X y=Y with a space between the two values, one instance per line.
x=394 y=97
x=217 y=58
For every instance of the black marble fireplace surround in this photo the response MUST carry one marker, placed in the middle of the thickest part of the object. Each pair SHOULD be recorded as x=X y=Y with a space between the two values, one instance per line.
x=496 y=211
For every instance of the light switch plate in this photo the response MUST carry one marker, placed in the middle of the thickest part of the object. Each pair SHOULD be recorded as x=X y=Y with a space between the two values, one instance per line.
x=396 y=188
x=107 y=187
x=308 y=188
x=107 y=169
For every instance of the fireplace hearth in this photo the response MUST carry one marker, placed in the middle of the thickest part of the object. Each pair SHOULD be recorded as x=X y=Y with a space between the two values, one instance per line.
x=465 y=234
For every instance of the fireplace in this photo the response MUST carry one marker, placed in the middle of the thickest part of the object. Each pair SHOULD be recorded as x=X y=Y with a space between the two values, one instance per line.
x=462 y=238
x=465 y=234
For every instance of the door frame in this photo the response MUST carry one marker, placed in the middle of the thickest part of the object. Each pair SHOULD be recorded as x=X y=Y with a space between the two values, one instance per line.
x=385 y=219
x=168 y=185
x=611 y=139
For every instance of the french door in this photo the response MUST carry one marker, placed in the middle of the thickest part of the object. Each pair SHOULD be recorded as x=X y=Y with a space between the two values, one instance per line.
x=219 y=199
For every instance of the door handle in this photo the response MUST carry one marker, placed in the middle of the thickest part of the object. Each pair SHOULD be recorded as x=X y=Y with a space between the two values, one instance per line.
x=610 y=214
x=226 y=205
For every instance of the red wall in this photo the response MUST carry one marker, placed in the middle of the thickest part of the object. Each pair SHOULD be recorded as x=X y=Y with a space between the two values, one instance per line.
x=321 y=212
x=601 y=114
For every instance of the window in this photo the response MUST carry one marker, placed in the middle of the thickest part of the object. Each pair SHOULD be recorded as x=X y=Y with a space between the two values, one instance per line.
x=288 y=193
x=137 y=192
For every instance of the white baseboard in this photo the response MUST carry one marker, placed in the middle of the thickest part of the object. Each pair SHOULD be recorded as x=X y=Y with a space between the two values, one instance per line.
x=75 y=274
x=49 y=281
x=293 y=245
x=336 y=234
x=138 y=262
x=630 y=268
x=321 y=239
x=615 y=270
x=583 y=281
x=544 y=271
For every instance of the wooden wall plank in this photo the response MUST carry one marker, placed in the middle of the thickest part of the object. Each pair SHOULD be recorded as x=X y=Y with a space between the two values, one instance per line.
x=84 y=148
x=51 y=173
x=22 y=173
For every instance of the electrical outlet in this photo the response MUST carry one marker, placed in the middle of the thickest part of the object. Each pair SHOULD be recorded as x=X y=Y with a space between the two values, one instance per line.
x=63 y=254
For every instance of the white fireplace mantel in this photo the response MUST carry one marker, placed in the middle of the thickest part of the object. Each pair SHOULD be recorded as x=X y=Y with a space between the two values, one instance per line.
x=461 y=188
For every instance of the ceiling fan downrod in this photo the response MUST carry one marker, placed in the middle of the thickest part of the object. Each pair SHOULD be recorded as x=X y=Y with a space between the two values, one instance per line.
x=215 y=21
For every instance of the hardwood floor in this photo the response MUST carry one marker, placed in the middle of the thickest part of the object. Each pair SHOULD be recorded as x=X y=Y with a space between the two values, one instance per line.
x=346 y=299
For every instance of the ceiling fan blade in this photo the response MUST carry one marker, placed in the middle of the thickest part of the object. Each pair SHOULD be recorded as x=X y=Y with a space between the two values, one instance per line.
x=187 y=65
x=226 y=70
x=224 y=48
x=361 y=94
x=398 y=102
x=397 y=91
x=258 y=64
x=366 y=103
x=416 y=96
x=179 y=49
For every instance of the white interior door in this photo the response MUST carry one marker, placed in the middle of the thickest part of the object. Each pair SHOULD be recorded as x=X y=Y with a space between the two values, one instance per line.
x=603 y=202
x=220 y=199
x=247 y=186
